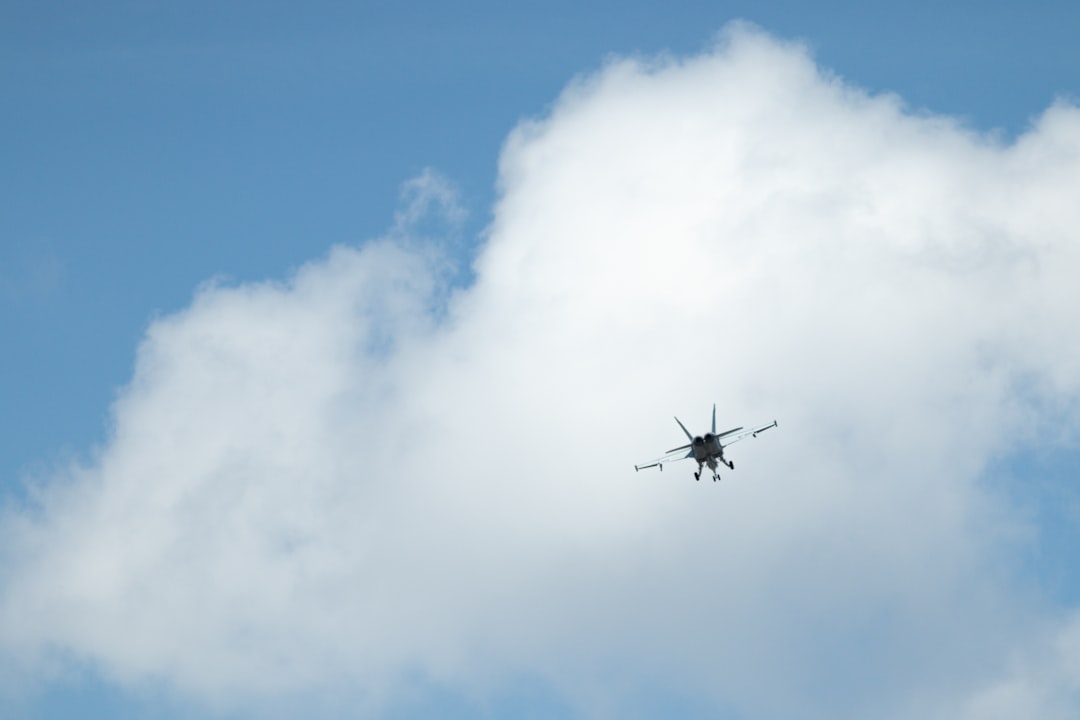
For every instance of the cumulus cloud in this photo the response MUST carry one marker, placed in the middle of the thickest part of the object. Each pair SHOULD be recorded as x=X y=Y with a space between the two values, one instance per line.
x=358 y=479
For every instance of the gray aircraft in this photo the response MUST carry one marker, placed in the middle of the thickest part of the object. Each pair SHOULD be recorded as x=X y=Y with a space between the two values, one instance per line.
x=707 y=449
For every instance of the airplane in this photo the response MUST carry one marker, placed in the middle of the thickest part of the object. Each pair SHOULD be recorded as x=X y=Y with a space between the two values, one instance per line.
x=706 y=449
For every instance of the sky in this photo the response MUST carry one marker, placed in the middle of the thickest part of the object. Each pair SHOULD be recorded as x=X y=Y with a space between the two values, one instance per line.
x=332 y=336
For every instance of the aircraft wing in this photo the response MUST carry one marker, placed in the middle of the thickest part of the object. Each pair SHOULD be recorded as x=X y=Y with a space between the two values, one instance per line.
x=680 y=453
x=734 y=437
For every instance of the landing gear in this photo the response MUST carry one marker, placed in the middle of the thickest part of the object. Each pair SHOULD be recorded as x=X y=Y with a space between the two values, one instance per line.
x=715 y=477
x=697 y=475
x=731 y=464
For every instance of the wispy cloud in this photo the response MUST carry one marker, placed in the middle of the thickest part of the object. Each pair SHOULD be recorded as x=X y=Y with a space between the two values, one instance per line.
x=324 y=485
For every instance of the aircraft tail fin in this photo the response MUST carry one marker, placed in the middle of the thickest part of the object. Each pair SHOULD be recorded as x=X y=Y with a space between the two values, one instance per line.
x=688 y=435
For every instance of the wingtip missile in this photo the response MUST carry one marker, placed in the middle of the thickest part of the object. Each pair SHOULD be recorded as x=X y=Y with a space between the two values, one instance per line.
x=767 y=427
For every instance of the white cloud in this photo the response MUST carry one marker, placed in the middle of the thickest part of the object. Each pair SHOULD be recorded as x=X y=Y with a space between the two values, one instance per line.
x=333 y=484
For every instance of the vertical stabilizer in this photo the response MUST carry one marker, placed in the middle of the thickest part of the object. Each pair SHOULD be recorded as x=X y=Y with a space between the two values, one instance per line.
x=688 y=435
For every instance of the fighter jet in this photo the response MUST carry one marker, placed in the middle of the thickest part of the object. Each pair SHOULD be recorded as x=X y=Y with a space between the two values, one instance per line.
x=707 y=449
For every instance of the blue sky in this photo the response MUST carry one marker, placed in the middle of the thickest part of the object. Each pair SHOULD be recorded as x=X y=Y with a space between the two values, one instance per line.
x=149 y=148
x=154 y=146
